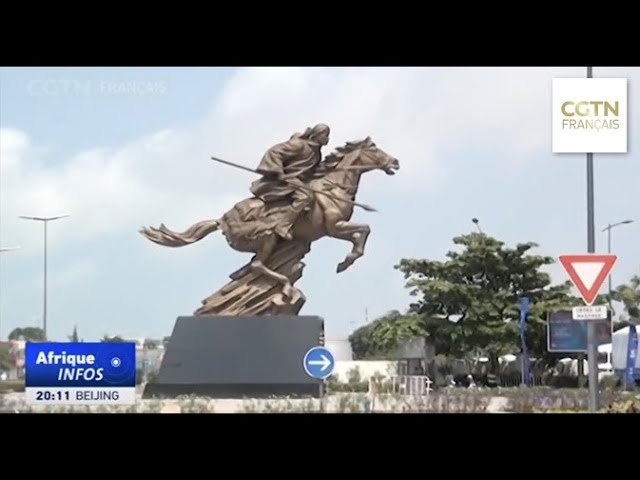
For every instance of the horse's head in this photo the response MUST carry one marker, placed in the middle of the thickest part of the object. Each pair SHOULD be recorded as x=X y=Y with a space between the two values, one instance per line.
x=377 y=158
x=363 y=156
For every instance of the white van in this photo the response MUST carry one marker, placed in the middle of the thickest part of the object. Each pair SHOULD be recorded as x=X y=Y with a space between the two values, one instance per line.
x=620 y=346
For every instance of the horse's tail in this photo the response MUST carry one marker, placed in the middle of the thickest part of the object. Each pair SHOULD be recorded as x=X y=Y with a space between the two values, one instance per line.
x=168 y=238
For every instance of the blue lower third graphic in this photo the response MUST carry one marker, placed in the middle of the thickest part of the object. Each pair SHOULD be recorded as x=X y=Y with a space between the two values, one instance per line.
x=318 y=362
x=80 y=373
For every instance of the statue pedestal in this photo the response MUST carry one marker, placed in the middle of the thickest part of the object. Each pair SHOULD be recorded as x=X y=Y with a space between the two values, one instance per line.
x=238 y=357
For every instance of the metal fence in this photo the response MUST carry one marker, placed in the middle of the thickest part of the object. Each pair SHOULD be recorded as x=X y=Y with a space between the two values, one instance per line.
x=417 y=385
x=515 y=381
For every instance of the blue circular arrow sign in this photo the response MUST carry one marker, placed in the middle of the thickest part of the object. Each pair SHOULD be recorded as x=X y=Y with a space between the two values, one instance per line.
x=318 y=362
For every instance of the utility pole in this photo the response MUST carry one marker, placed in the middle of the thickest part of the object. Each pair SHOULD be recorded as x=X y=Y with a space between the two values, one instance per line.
x=45 y=221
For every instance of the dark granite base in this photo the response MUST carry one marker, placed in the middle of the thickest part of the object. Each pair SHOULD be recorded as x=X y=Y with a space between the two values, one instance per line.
x=237 y=357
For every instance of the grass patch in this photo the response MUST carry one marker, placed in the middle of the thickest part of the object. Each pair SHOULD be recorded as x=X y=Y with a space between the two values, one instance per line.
x=9 y=386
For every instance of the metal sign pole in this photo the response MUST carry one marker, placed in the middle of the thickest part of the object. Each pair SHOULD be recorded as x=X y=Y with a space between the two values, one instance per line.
x=592 y=346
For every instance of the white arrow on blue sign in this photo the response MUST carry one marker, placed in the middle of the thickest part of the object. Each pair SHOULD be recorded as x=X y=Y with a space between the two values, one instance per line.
x=318 y=362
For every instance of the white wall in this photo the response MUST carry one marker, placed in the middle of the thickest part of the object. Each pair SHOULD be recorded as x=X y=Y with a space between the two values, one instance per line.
x=367 y=368
x=340 y=349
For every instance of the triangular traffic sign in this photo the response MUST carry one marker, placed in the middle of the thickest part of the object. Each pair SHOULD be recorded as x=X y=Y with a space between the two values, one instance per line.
x=588 y=272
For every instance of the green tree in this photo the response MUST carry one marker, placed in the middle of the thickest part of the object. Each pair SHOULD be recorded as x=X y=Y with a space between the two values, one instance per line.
x=108 y=339
x=469 y=302
x=629 y=295
x=74 y=336
x=380 y=338
x=30 y=334
x=5 y=356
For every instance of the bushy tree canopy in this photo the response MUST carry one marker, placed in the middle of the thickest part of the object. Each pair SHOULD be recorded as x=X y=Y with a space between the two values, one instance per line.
x=30 y=334
x=629 y=295
x=469 y=301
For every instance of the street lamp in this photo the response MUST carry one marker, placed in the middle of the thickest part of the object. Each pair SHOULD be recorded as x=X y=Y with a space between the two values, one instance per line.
x=608 y=229
x=3 y=250
x=45 y=221
x=477 y=222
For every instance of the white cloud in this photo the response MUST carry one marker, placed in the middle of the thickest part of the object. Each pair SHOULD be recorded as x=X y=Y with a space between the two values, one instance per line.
x=413 y=113
x=72 y=274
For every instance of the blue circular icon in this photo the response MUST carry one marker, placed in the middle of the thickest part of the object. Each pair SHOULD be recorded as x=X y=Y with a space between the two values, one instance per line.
x=318 y=362
x=118 y=361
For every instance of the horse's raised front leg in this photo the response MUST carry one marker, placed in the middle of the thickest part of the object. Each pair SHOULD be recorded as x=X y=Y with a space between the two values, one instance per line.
x=356 y=233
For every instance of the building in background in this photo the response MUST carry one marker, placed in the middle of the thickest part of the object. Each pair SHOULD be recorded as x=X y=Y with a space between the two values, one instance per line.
x=149 y=353
x=340 y=348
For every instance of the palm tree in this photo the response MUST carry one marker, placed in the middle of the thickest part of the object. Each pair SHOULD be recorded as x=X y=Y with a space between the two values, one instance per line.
x=629 y=295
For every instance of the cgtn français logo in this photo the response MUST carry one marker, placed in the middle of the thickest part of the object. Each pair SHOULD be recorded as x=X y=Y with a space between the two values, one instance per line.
x=80 y=373
x=589 y=115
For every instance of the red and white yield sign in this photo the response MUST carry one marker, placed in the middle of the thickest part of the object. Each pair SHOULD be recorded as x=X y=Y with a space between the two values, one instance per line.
x=588 y=272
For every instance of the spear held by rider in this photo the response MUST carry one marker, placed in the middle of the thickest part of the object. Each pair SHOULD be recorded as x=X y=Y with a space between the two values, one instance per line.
x=364 y=206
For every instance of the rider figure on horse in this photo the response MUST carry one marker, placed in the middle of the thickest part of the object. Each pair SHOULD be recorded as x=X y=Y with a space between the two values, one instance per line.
x=297 y=161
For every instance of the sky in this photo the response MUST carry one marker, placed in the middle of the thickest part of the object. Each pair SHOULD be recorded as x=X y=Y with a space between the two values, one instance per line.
x=121 y=148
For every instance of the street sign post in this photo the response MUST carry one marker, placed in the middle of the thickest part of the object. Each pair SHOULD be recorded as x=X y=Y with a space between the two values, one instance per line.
x=587 y=273
x=566 y=335
x=524 y=311
x=318 y=362
x=590 y=312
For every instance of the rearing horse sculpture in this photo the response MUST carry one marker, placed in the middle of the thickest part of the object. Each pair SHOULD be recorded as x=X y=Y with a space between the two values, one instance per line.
x=265 y=285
